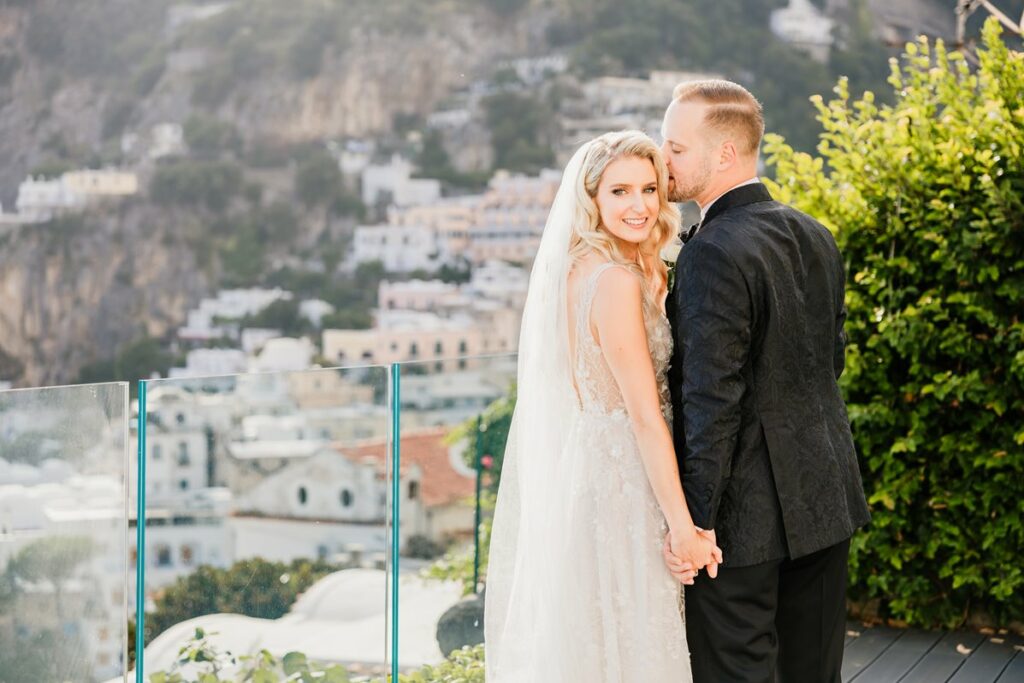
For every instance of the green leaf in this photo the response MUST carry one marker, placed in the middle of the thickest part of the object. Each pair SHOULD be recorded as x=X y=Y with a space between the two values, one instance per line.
x=294 y=662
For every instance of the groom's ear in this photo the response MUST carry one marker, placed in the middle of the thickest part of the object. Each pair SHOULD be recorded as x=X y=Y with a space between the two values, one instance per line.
x=728 y=155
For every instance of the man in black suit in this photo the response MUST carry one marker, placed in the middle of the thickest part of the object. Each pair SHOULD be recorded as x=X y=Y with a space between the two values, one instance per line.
x=761 y=430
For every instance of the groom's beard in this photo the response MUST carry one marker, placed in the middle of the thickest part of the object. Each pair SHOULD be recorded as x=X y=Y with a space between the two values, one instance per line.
x=679 y=191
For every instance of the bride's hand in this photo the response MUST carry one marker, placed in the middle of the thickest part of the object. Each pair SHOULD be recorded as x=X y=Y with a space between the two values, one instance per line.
x=687 y=553
x=681 y=571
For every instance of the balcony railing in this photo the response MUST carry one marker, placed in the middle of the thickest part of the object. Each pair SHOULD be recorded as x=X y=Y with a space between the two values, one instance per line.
x=304 y=511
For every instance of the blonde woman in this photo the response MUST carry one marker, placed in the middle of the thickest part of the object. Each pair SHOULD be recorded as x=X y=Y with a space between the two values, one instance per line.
x=590 y=493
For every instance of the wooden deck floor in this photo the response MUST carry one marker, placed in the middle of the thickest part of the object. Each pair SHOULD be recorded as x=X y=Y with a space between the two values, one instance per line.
x=879 y=654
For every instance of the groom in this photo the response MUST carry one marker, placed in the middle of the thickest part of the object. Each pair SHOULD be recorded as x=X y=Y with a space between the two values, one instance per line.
x=766 y=455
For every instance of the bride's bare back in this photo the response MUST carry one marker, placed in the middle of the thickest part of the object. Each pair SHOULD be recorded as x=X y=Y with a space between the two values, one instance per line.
x=618 y=339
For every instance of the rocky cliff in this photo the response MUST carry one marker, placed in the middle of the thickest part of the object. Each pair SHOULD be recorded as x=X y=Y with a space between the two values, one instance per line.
x=74 y=290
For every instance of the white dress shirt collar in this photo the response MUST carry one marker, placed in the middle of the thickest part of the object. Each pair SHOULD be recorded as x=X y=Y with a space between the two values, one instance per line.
x=704 y=209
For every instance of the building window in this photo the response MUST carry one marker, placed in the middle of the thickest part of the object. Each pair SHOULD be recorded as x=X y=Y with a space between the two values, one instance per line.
x=414 y=350
x=346 y=498
x=187 y=556
x=463 y=346
x=183 y=484
x=158 y=452
x=438 y=366
x=180 y=417
x=462 y=364
x=414 y=490
x=303 y=495
x=183 y=459
x=163 y=555
x=438 y=348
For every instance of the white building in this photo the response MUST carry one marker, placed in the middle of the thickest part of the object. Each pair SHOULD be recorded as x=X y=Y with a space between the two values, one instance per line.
x=211 y=362
x=804 y=26
x=354 y=156
x=535 y=70
x=213 y=318
x=284 y=354
x=42 y=199
x=392 y=183
x=252 y=339
x=401 y=248
x=183 y=533
x=314 y=310
x=452 y=397
x=324 y=485
x=499 y=281
x=166 y=139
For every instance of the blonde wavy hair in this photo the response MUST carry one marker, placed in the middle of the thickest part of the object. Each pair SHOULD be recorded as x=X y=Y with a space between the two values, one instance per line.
x=587 y=232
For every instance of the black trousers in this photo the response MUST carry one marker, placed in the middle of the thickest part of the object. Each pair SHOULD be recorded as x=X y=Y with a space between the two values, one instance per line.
x=776 y=622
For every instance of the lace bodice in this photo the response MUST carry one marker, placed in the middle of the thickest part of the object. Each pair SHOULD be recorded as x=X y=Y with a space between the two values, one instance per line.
x=598 y=390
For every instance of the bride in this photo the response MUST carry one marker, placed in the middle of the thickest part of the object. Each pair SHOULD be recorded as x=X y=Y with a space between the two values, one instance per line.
x=577 y=589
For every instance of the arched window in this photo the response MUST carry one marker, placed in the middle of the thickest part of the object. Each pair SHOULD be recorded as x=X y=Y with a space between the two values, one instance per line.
x=346 y=498
x=303 y=495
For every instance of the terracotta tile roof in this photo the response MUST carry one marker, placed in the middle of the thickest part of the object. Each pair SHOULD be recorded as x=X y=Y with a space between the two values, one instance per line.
x=440 y=483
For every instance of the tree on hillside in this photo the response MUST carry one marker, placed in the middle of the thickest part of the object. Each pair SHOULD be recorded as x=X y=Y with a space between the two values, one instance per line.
x=926 y=199
x=520 y=130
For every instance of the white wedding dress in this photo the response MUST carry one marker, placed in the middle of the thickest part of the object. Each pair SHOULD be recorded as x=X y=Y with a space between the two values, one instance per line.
x=617 y=617
x=577 y=591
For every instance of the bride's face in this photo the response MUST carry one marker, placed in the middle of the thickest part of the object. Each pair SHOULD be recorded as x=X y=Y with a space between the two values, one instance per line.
x=627 y=199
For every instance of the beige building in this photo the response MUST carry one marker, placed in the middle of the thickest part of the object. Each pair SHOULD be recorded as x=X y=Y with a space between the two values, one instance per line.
x=419 y=336
x=328 y=390
x=512 y=217
x=449 y=219
x=96 y=184
x=418 y=295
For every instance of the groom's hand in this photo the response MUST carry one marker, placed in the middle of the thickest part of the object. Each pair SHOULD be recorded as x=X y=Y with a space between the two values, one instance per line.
x=716 y=554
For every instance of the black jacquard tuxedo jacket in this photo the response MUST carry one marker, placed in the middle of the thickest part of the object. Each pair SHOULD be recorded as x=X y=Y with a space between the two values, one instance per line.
x=762 y=435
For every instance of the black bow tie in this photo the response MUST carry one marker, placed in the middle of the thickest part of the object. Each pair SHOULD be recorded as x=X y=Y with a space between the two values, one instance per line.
x=686 y=235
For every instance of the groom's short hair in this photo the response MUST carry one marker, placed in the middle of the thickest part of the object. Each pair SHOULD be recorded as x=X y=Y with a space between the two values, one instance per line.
x=732 y=109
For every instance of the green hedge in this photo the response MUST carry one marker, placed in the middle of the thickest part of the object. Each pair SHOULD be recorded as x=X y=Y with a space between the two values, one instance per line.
x=925 y=199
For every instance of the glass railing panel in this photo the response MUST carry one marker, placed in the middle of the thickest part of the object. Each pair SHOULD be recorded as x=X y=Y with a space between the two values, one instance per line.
x=266 y=509
x=63 y=530
x=453 y=423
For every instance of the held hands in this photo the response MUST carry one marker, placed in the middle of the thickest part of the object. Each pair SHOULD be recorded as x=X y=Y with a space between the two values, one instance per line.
x=685 y=554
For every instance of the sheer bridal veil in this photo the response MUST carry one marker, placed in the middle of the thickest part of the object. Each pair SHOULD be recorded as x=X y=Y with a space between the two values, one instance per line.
x=529 y=560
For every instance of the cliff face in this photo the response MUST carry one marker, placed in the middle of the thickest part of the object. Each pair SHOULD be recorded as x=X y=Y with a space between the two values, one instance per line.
x=74 y=291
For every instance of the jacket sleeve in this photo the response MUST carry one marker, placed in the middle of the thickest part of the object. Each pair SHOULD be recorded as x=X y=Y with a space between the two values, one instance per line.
x=714 y=333
x=839 y=359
